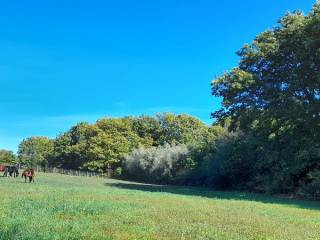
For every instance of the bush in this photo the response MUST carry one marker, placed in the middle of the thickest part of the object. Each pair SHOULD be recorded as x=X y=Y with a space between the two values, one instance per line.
x=228 y=164
x=161 y=164
x=311 y=190
x=117 y=172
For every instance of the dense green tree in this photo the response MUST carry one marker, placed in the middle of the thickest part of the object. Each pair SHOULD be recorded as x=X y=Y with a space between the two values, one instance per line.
x=102 y=146
x=181 y=129
x=148 y=128
x=98 y=147
x=7 y=156
x=273 y=96
x=35 y=151
x=116 y=139
x=72 y=148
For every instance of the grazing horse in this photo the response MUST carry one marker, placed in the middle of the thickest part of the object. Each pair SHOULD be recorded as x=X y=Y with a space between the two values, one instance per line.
x=28 y=173
x=12 y=171
x=3 y=169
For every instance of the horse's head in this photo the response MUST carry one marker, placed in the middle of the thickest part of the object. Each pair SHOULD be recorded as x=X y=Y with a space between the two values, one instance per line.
x=24 y=173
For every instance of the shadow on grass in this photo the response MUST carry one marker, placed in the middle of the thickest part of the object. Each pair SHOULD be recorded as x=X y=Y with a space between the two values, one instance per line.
x=209 y=193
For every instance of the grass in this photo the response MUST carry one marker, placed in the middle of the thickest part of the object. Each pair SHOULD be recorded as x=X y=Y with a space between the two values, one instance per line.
x=65 y=207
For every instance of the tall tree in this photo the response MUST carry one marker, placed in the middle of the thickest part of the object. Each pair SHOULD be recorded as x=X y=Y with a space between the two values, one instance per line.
x=72 y=148
x=274 y=96
x=182 y=129
x=35 y=151
x=7 y=156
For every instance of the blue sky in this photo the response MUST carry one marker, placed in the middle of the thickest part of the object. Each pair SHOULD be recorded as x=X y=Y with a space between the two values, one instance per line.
x=63 y=62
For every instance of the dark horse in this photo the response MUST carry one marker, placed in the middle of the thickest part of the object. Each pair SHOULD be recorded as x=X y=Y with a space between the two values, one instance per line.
x=11 y=170
x=28 y=173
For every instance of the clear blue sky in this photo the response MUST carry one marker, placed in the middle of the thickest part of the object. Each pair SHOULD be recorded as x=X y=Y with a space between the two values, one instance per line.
x=62 y=62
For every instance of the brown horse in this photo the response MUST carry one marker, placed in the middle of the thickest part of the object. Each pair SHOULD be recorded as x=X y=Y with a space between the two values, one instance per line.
x=28 y=173
x=2 y=168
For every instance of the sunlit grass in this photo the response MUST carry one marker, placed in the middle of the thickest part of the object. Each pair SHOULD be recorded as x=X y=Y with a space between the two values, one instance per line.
x=65 y=207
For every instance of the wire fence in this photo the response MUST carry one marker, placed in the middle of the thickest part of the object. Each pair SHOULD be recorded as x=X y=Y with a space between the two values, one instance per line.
x=72 y=172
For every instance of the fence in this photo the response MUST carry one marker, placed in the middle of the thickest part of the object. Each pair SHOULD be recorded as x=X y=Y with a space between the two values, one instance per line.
x=73 y=172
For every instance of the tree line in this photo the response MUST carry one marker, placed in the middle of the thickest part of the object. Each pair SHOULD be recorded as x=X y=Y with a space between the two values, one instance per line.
x=265 y=137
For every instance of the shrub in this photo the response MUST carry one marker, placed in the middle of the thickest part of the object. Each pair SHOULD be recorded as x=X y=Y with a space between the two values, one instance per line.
x=312 y=189
x=157 y=164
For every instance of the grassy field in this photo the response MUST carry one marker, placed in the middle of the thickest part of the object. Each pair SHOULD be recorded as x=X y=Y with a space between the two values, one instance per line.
x=65 y=207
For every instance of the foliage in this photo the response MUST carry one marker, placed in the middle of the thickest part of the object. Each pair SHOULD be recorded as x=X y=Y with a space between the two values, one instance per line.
x=157 y=164
x=182 y=129
x=273 y=97
x=71 y=149
x=35 y=151
x=103 y=146
x=97 y=147
x=148 y=128
x=311 y=190
x=7 y=156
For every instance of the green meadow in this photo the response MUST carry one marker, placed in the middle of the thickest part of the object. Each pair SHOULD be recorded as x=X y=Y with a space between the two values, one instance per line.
x=67 y=207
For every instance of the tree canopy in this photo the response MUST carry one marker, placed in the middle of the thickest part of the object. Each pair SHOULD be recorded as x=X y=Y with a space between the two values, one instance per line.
x=103 y=145
x=35 y=151
x=7 y=156
x=273 y=96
